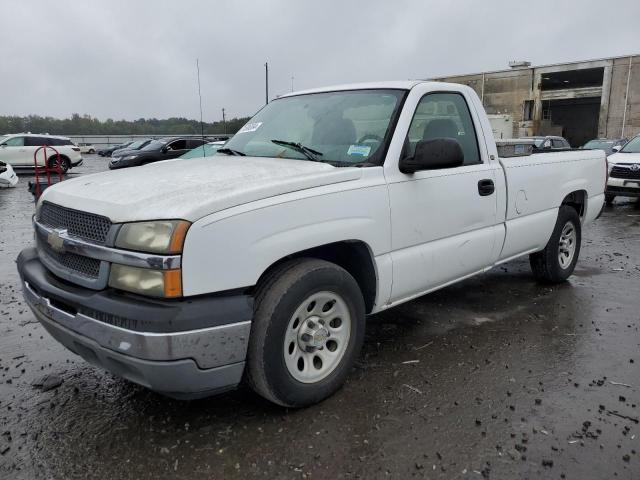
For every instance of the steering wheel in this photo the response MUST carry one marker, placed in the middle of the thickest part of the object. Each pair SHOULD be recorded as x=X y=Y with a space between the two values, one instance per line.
x=371 y=136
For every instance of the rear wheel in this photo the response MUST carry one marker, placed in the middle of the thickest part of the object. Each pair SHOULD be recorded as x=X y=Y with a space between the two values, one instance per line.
x=307 y=331
x=91 y=150
x=608 y=198
x=65 y=164
x=557 y=261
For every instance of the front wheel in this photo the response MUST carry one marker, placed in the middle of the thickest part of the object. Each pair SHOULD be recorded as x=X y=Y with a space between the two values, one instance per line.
x=557 y=261
x=307 y=332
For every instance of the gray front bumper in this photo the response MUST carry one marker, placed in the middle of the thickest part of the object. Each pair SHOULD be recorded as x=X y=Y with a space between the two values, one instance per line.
x=182 y=364
x=181 y=379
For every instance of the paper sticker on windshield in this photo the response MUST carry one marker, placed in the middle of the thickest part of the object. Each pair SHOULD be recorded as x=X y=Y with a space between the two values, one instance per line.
x=250 y=127
x=359 y=150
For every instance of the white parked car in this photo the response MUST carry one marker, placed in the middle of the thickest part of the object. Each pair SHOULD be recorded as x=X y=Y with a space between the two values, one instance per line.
x=17 y=150
x=8 y=177
x=624 y=171
x=87 y=148
x=263 y=261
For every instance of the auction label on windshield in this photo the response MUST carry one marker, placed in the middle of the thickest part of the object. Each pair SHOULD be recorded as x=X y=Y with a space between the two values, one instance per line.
x=359 y=150
x=250 y=127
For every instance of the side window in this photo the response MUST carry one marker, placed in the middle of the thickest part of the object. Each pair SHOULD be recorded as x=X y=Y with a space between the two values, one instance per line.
x=178 y=145
x=558 y=143
x=193 y=143
x=35 y=141
x=444 y=115
x=15 y=142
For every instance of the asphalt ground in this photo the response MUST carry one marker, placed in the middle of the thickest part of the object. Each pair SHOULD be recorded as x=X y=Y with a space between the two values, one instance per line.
x=495 y=377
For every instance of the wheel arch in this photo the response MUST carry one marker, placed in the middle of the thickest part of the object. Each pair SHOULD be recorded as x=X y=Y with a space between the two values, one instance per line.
x=577 y=200
x=355 y=256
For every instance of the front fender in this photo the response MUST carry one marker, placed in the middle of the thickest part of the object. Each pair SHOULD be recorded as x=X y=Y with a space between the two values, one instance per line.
x=231 y=249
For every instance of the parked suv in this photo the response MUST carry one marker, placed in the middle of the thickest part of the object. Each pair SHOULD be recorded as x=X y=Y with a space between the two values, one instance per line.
x=624 y=172
x=17 y=150
x=87 y=148
x=162 y=149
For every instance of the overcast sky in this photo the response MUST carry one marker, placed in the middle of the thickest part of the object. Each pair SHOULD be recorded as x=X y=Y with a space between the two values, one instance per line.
x=132 y=59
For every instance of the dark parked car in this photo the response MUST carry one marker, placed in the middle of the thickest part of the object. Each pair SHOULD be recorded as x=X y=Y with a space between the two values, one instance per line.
x=106 y=152
x=162 y=149
x=550 y=142
x=609 y=145
x=137 y=145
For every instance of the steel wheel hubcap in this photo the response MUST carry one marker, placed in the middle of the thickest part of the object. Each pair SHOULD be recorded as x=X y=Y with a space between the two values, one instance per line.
x=317 y=337
x=567 y=247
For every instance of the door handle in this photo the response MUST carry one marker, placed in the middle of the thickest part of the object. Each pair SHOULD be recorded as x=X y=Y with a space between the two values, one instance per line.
x=486 y=187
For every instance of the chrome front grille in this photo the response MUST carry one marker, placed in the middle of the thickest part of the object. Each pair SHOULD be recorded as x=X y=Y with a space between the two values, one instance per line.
x=625 y=172
x=85 y=266
x=87 y=226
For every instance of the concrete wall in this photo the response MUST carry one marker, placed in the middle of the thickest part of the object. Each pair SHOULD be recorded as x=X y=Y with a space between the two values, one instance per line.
x=506 y=91
x=618 y=98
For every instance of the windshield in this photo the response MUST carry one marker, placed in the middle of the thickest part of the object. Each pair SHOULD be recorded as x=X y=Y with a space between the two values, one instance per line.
x=3 y=138
x=136 y=145
x=342 y=128
x=633 y=146
x=538 y=141
x=606 y=145
x=205 y=150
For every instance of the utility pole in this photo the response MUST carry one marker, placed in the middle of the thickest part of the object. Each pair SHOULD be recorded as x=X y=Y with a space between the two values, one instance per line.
x=266 y=82
x=224 y=121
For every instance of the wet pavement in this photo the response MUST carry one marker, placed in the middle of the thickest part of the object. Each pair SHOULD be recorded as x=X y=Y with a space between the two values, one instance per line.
x=495 y=377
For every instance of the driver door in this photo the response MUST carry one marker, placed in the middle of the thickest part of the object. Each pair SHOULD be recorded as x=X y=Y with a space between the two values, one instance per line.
x=443 y=220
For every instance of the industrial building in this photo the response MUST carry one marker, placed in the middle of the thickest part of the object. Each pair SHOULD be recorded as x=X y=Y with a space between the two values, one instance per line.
x=578 y=100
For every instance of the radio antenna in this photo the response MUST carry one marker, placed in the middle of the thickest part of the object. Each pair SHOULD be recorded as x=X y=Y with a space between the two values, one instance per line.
x=200 y=98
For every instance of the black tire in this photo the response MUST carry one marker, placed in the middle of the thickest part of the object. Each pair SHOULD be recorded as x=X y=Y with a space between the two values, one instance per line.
x=64 y=163
x=277 y=298
x=91 y=151
x=608 y=198
x=546 y=264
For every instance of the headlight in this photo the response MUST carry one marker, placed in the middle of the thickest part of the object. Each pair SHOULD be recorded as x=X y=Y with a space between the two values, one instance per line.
x=130 y=157
x=154 y=283
x=164 y=236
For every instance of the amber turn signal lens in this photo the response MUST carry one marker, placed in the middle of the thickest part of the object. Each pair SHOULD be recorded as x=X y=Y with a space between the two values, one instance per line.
x=173 y=283
x=178 y=236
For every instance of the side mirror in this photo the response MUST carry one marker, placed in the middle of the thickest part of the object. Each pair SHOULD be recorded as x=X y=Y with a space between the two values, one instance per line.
x=433 y=154
x=164 y=149
x=616 y=149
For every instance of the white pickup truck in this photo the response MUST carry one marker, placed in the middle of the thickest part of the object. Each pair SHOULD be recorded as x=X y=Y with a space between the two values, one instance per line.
x=262 y=262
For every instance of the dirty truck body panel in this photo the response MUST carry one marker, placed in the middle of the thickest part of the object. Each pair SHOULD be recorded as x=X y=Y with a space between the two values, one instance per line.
x=422 y=231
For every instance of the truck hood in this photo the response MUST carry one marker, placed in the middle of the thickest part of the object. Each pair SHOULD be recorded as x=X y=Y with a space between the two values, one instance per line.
x=624 y=158
x=193 y=188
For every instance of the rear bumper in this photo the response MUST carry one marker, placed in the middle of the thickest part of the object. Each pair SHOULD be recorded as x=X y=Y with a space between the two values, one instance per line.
x=77 y=162
x=171 y=360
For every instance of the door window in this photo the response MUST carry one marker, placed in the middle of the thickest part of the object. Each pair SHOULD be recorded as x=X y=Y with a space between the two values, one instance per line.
x=195 y=142
x=444 y=115
x=178 y=145
x=558 y=143
x=36 y=141
x=15 y=142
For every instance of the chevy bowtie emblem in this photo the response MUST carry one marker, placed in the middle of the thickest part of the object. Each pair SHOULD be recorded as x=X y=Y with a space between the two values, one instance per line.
x=635 y=167
x=55 y=240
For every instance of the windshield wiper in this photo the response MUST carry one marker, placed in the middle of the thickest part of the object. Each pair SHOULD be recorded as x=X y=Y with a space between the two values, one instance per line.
x=310 y=153
x=231 y=151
